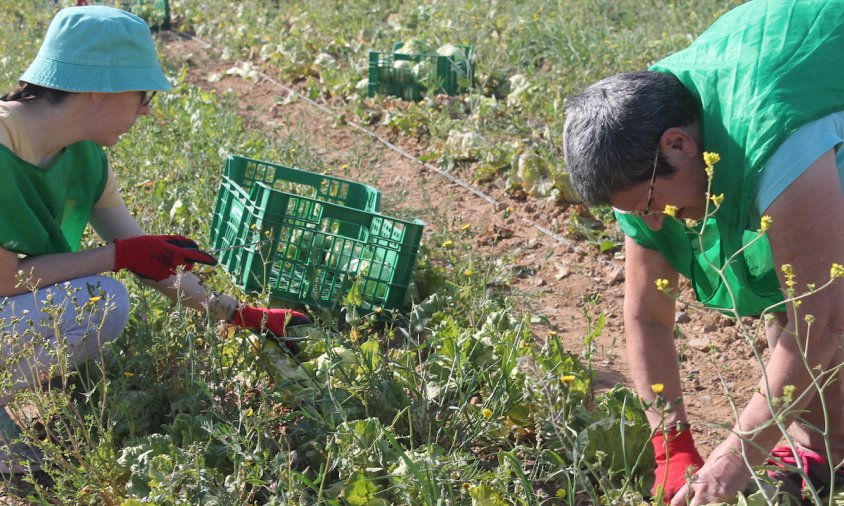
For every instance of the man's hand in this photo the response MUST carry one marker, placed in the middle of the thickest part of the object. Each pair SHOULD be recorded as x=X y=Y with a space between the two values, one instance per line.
x=274 y=321
x=720 y=479
x=157 y=257
x=676 y=456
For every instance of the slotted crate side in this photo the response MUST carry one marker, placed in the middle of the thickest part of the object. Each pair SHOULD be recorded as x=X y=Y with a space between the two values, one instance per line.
x=230 y=225
x=314 y=259
x=247 y=171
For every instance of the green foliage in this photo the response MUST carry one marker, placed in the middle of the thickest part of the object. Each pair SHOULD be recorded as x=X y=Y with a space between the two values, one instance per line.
x=452 y=402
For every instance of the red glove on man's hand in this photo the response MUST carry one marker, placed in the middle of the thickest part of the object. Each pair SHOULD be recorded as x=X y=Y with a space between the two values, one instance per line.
x=156 y=257
x=675 y=452
x=260 y=319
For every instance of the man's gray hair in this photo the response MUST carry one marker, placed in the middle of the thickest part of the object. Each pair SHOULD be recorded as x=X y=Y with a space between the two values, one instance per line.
x=613 y=128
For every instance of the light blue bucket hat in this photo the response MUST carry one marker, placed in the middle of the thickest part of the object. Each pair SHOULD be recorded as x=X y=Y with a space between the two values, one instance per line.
x=97 y=49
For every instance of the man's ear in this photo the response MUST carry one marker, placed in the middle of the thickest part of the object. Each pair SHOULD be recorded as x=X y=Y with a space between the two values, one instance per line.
x=681 y=140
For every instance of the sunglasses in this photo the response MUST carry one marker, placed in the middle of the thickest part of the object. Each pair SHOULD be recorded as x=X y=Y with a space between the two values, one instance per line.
x=146 y=97
x=647 y=211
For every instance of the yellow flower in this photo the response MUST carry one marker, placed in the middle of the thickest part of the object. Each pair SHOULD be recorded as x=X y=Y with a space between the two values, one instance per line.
x=836 y=271
x=788 y=272
x=487 y=413
x=661 y=284
x=128 y=374
x=568 y=378
x=765 y=223
x=670 y=210
x=95 y=298
x=691 y=223
x=717 y=199
x=249 y=412
x=710 y=158
x=657 y=388
x=468 y=272
x=447 y=244
x=466 y=227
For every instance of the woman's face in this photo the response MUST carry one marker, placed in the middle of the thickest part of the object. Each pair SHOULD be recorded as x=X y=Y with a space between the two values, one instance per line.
x=116 y=114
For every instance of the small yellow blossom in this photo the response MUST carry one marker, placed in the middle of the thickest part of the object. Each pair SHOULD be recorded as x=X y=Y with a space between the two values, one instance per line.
x=836 y=271
x=466 y=227
x=568 y=378
x=797 y=303
x=95 y=298
x=670 y=210
x=717 y=199
x=128 y=374
x=447 y=244
x=691 y=223
x=661 y=284
x=487 y=413
x=468 y=272
x=765 y=223
x=788 y=272
x=710 y=158
x=249 y=412
x=657 y=388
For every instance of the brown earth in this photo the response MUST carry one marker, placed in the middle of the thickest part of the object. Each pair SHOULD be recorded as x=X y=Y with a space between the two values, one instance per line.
x=560 y=279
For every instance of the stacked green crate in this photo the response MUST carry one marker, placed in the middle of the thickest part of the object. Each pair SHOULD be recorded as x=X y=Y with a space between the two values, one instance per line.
x=307 y=238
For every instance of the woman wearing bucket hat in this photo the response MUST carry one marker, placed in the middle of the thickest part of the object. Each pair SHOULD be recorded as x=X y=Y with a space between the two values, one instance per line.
x=93 y=78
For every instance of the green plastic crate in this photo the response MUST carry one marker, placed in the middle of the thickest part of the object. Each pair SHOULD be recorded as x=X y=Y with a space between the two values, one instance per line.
x=311 y=251
x=393 y=73
x=247 y=171
x=242 y=173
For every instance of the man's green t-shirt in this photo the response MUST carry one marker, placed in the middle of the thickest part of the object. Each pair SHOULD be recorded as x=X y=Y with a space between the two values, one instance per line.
x=759 y=72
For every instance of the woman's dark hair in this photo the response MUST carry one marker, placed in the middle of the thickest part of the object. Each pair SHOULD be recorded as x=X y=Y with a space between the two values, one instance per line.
x=28 y=92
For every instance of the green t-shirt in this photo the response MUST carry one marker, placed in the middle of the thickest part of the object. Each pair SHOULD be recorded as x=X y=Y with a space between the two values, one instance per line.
x=759 y=72
x=46 y=210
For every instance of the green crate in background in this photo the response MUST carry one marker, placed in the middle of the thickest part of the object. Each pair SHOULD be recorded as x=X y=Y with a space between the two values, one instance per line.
x=410 y=76
x=306 y=250
x=155 y=12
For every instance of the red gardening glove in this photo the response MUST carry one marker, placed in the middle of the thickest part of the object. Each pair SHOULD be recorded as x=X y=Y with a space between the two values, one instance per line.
x=262 y=320
x=156 y=257
x=675 y=453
